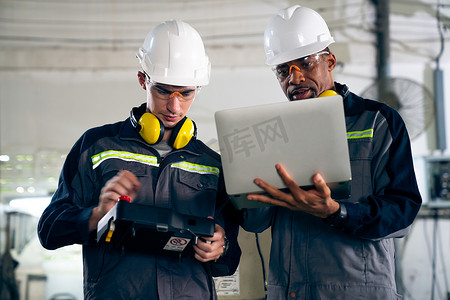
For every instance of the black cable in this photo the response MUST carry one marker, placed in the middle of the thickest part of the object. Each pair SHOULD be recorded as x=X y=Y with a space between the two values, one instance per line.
x=262 y=262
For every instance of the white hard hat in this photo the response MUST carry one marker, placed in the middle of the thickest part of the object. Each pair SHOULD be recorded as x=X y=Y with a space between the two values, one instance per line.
x=173 y=53
x=293 y=33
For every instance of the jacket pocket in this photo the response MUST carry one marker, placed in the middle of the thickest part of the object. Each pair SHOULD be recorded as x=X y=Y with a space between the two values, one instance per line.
x=142 y=172
x=195 y=193
x=198 y=182
x=111 y=167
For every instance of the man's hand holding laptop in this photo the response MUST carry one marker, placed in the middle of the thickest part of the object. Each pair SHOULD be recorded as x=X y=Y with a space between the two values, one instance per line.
x=317 y=201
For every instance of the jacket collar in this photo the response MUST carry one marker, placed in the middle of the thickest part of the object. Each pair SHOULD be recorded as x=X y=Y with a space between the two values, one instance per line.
x=353 y=104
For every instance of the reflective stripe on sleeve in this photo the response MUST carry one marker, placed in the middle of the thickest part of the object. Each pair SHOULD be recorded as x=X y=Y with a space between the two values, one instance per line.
x=368 y=133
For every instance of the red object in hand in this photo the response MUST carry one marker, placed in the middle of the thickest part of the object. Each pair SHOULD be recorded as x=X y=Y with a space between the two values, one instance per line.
x=126 y=198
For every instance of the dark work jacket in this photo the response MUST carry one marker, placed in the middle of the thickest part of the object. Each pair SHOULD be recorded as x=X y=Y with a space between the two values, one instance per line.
x=311 y=260
x=187 y=180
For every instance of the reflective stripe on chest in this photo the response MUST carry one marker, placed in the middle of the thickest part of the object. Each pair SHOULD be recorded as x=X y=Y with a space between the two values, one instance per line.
x=195 y=168
x=123 y=155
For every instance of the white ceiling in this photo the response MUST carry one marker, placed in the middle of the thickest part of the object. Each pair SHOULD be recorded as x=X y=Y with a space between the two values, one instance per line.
x=48 y=34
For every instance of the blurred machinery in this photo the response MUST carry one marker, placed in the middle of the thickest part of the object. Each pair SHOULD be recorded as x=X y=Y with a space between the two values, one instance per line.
x=438 y=181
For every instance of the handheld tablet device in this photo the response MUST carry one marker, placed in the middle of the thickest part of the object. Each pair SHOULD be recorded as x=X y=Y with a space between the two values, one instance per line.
x=144 y=228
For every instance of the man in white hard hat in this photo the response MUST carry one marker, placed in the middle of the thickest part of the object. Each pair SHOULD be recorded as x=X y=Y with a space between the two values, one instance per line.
x=152 y=159
x=325 y=248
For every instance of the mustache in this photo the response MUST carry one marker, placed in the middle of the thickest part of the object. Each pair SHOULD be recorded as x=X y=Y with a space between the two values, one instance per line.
x=301 y=89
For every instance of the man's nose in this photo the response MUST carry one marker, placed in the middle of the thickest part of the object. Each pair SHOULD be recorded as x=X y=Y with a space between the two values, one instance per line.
x=174 y=102
x=295 y=74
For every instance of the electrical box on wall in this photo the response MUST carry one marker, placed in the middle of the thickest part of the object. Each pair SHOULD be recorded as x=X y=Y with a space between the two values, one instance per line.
x=438 y=181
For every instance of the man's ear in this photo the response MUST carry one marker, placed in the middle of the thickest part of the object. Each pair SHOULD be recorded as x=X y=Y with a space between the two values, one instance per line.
x=331 y=62
x=141 y=79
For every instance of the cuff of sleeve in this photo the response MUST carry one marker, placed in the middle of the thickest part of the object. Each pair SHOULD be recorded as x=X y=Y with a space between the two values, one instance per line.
x=225 y=247
x=339 y=218
x=83 y=223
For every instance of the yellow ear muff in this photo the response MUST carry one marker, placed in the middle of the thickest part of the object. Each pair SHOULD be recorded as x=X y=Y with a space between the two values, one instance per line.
x=328 y=93
x=152 y=130
x=182 y=133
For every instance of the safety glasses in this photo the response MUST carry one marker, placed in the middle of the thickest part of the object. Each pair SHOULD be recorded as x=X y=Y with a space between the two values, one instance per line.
x=305 y=65
x=163 y=92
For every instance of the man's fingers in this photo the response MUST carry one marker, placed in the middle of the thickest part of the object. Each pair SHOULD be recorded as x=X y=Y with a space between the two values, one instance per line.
x=129 y=182
x=205 y=251
x=273 y=191
x=321 y=186
x=124 y=183
x=278 y=197
x=268 y=200
x=293 y=187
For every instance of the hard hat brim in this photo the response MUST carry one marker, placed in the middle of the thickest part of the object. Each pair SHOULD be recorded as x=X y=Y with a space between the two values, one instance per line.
x=298 y=53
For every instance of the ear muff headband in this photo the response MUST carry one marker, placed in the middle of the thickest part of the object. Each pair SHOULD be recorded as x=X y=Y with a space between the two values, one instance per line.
x=182 y=133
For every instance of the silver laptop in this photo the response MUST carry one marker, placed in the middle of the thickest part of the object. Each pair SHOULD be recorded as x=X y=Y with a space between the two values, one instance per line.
x=305 y=136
